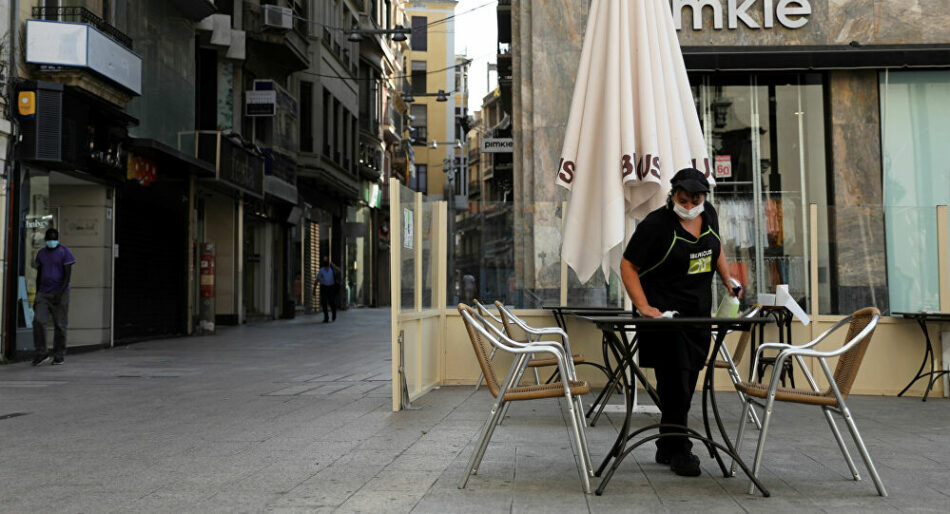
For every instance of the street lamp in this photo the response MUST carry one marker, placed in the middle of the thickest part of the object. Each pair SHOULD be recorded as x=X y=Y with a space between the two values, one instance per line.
x=440 y=96
x=356 y=34
x=435 y=144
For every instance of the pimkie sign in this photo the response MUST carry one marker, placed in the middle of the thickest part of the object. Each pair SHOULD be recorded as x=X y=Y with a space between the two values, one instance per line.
x=791 y=14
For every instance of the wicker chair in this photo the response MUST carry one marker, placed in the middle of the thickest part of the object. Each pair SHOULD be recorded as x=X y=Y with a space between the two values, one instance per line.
x=485 y=336
x=728 y=361
x=861 y=327
x=533 y=363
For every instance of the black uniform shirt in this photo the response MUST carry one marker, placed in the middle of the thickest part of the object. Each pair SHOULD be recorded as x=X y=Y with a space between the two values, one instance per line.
x=676 y=270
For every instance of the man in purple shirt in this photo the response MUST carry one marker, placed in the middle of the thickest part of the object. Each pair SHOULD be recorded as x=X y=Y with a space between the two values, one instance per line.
x=54 y=265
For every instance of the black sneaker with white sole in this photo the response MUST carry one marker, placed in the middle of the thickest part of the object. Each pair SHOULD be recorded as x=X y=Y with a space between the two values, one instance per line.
x=58 y=360
x=41 y=359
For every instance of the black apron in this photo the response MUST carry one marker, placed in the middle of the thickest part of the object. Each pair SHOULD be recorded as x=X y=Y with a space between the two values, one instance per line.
x=681 y=281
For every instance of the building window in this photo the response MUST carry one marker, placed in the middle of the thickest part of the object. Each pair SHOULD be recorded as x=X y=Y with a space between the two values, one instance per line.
x=422 y=178
x=915 y=153
x=419 y=33
x=306 y=117
x=418 y=77
x=327 y=114
x=419 y=114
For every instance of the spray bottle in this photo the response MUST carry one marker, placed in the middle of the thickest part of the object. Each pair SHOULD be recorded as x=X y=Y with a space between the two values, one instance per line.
x=729 y=306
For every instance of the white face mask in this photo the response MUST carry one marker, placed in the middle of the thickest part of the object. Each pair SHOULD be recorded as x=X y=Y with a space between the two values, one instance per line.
x=687 y=214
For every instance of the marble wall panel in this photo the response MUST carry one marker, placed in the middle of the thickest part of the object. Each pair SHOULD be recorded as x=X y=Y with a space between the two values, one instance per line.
x=858 y=215
x=832 y=22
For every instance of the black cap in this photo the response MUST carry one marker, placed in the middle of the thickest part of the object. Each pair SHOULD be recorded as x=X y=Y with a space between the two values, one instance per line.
x=690 y=180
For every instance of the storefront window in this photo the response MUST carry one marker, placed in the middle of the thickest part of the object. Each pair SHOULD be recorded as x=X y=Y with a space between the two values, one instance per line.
x=40 y=215
x=358 y=255
x=915 y=134
x=767 y=146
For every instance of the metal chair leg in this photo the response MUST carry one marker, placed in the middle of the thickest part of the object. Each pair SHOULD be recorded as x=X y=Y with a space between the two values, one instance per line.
x=581 y=423
x=537 y=377
x=583 y=466
x=746 y=407
x=760 y=448
x=753 y=417
x=840 y=441
x=482 y=444
x=863 y=450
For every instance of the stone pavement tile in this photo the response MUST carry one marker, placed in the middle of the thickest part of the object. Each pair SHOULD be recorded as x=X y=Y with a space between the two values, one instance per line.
x=463 y=502
x=249 y=501
x=372 y=502
x=402 y=480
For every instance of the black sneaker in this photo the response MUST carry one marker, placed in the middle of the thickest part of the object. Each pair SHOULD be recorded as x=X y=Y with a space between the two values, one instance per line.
x=40 y=359
x=662 y=456
x=685 y=465
x=58 y=360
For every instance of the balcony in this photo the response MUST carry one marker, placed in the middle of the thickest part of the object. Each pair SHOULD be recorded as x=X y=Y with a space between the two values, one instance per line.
x=76 y=48
x=82 y=15
x=236 y=162
x=282 y=40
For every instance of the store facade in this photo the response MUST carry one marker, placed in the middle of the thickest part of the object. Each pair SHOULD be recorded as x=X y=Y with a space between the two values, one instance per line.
x=829 y=104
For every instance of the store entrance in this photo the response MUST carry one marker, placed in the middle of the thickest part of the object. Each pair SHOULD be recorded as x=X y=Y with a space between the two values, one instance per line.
x=260 y=290
x=766 y=138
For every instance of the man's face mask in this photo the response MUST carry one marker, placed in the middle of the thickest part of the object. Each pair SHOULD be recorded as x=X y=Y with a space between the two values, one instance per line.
x=52 y=244
x=687 y=214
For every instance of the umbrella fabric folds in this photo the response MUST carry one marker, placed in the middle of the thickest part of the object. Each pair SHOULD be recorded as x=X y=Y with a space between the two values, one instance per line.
x=632 y=125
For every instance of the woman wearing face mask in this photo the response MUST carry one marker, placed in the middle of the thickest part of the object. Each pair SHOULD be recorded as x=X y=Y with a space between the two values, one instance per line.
x=668 y=265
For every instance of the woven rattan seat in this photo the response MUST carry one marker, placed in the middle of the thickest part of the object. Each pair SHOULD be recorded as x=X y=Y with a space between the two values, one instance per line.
x=553 y=390
x=784 y=394
x=540 y=363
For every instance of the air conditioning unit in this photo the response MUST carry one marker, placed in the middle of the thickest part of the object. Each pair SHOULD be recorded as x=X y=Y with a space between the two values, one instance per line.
x=278 y=17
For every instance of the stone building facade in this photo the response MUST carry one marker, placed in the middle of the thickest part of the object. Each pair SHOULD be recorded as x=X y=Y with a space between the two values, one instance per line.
x=794 y=98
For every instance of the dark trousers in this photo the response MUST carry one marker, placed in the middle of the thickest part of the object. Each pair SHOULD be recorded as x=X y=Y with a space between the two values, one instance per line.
x=328 y=300
x=675 y=388
x=44 y=306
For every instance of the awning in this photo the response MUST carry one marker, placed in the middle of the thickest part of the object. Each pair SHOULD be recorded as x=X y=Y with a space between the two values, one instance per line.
x=170 y=159
x=736 y=58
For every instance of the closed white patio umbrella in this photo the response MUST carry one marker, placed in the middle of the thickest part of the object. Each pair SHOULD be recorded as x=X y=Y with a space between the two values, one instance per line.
x=632 y=125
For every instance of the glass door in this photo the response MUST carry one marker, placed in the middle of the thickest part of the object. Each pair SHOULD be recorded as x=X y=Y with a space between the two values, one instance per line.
x=765 y=135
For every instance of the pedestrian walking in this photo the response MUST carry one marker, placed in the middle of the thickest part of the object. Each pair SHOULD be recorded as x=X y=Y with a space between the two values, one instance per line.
x=328 y=278
x=54 y=265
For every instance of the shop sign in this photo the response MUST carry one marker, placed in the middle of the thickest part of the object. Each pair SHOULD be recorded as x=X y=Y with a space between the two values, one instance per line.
x=407 y=228
x=791 y=14
x=260 y=103
x=240 y=168
x=142 y=170
x=498 y=145
x=723 y=166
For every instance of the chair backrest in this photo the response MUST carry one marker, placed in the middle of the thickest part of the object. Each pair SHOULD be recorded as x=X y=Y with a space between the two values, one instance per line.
x=746 y=336
x=510 y=325
x=849 y=362
x=481 y=346
x=486 y=313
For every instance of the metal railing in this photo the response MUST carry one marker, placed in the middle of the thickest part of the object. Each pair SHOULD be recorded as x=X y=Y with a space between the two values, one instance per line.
x=82 y=15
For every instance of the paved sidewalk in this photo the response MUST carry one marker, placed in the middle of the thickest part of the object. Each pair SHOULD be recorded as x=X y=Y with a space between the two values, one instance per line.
x=294 y=416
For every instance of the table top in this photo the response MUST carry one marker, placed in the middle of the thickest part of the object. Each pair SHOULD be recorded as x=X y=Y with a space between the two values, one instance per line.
x=580 y=308
x=924 y=315
x=626 y=319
